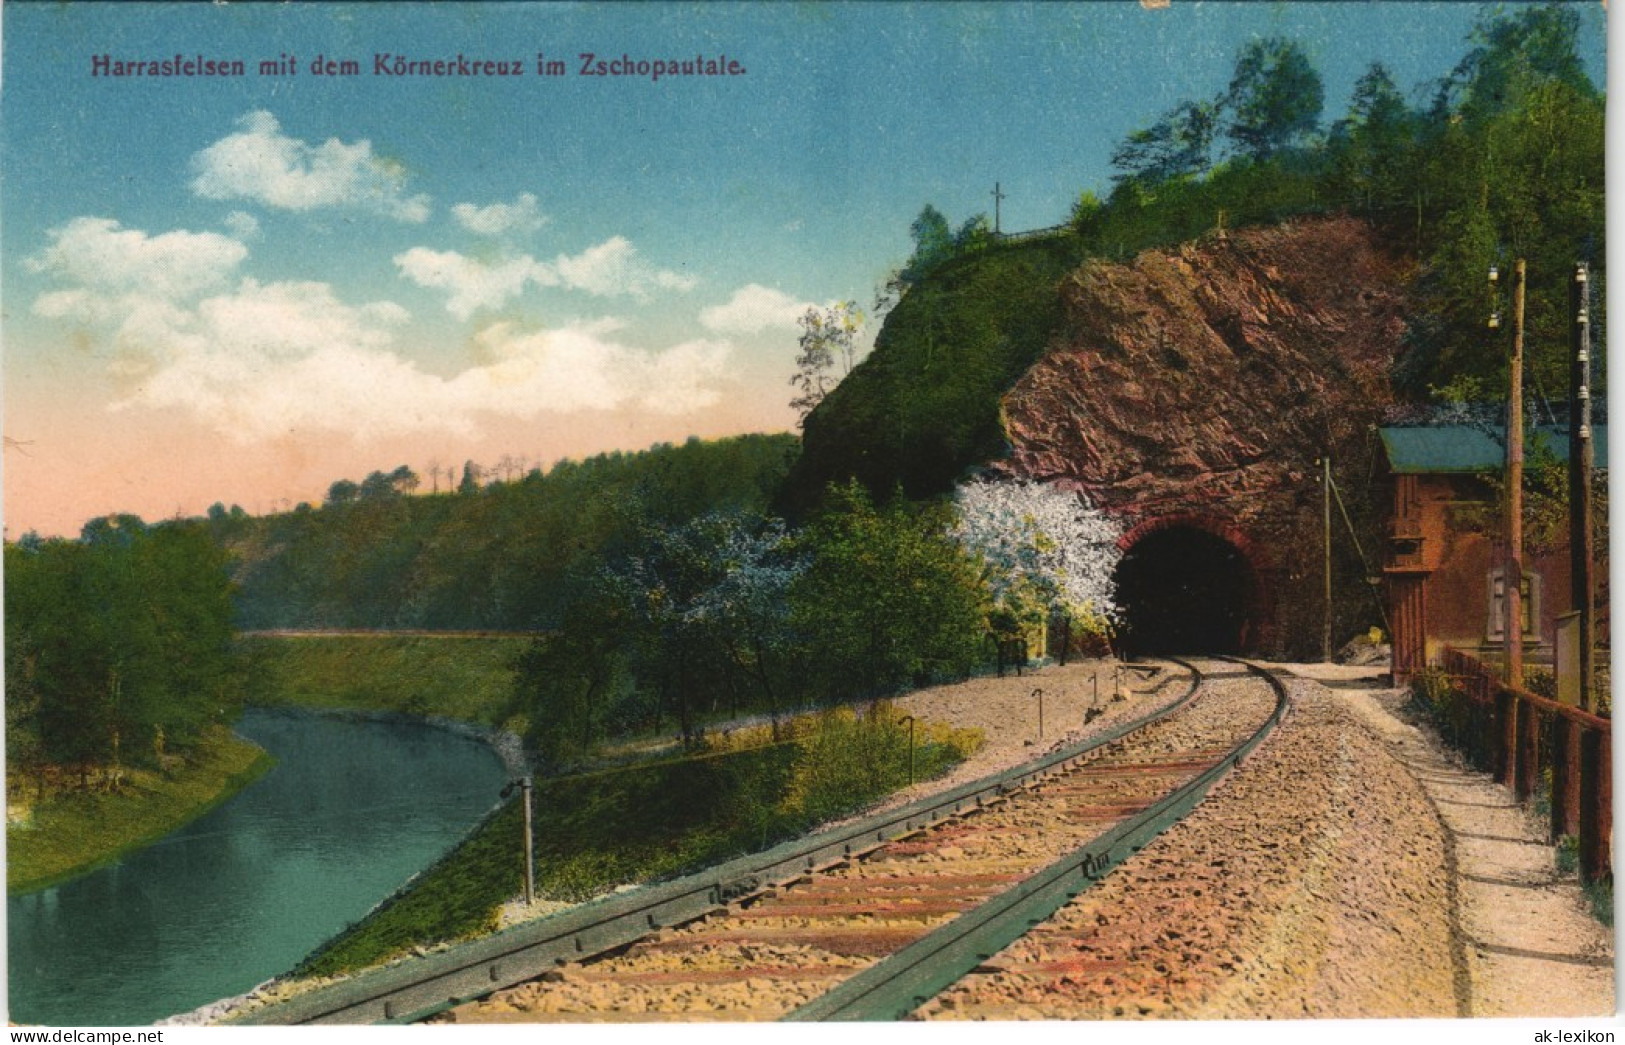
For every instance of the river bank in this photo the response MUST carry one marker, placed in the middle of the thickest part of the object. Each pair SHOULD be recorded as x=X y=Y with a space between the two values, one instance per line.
x=351 y=810
x=75 y=832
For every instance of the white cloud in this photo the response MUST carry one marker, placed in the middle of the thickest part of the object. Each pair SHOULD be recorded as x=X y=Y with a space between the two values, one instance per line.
x=470 y=283
x=280 y=358
x=127 y=281
x=752 y=309
x=256 y=360
x=610 y=269
x=258 y=162
x=360 y=392
x=614 y=267
x=521 y=216
x=290 y=320
x=683 y=378
x=100 y=256
x=578 y=367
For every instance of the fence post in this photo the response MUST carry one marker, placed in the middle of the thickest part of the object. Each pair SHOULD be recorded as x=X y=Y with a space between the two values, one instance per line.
x=1528 y=748
x=1596 y=801
x=1506 y=749
x=1565 y=777
x=1485 y=716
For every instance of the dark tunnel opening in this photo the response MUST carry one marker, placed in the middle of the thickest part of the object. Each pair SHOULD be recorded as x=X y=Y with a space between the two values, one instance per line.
x=1184 y=590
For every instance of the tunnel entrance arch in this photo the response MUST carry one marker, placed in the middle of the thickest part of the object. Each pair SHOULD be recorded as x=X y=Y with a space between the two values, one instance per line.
x=1188 y=585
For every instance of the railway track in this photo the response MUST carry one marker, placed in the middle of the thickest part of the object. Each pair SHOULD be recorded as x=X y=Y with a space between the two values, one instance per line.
x=863 y=922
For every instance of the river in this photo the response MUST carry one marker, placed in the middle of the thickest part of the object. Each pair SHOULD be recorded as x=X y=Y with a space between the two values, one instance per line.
x=350 y=811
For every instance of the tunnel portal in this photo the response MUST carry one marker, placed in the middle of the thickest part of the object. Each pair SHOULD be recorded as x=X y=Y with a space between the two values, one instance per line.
x=1182 y=589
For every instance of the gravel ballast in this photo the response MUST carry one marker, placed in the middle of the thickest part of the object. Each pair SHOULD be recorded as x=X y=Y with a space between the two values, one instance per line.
x=1310 y=884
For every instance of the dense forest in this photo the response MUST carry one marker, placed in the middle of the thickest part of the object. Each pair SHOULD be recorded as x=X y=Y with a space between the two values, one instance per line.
x=117 y=644
x=1501 y=158
x=664 y=586
x=492 y=556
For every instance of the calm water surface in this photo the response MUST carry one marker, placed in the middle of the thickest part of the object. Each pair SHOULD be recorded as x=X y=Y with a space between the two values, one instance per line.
x=350 y=811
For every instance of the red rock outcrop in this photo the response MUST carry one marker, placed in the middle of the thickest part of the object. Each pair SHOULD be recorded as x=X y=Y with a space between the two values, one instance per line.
x=1201 y=384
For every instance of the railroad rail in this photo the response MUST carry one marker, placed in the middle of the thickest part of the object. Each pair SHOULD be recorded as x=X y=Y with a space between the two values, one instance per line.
x=897 y=985
x=766 y=888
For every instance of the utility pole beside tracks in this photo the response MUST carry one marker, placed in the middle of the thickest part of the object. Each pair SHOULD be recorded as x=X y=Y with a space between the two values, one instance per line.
x=1326 y=526
x=1582 y=459
x=1513 y=583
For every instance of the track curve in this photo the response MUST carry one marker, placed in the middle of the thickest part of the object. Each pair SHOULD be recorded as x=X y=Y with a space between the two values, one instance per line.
x=875 y=934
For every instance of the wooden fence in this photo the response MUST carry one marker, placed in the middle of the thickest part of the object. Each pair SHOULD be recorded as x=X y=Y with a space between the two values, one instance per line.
x=1518 y=736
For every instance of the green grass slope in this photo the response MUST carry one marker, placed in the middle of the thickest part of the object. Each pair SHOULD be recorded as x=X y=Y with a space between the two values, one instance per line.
x=468 y=678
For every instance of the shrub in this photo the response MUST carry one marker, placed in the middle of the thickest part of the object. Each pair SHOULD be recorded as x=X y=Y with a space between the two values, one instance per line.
x=848 y=760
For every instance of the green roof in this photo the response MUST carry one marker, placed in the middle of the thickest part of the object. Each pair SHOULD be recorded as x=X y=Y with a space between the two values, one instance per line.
x=1472 y=448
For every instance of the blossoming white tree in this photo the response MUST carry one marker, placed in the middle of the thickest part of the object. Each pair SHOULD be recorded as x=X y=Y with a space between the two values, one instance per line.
x=1045 y=550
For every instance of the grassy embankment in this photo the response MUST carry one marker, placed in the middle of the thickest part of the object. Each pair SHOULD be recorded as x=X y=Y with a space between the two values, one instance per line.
x=645 y=822
x=469 y=678
x=73 y=832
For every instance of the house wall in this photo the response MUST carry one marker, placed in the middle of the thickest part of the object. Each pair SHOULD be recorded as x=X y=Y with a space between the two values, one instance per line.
x=1439 y=571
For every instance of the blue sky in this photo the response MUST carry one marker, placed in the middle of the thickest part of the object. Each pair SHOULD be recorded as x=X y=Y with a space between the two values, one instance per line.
x=241 y=289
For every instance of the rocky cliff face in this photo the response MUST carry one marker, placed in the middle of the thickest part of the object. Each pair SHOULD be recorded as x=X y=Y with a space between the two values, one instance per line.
x=1201 y=384
x=1217 y=369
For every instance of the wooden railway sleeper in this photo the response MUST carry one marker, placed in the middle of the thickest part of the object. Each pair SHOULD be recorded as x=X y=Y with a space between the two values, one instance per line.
x=906 y=979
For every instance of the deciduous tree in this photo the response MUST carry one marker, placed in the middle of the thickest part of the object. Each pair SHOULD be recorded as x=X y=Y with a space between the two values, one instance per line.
x=1274 y=99
x=1040 y=545
x=1178 y=144
x=827 y=338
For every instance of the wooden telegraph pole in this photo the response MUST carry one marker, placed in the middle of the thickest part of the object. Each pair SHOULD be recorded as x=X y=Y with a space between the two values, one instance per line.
x=1522 y=724
x=1570 y=744
x=1582 y=458
x=1326 y=530
x=1514 y=565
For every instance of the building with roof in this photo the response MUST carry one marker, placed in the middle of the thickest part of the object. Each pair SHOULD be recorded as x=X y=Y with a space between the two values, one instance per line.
x=1446 y=551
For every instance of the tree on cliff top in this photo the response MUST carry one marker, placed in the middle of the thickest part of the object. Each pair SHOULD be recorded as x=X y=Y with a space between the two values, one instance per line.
x=933 y=243
x=1275 y=98
x=1179 y=144
x=1511 y=53
x=1372 y=149
x=827 y=334
x=1272 y=106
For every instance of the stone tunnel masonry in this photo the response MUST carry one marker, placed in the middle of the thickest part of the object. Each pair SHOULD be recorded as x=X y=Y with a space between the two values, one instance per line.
x=1192 y=583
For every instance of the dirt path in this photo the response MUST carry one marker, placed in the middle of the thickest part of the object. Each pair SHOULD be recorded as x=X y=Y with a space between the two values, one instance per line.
x=1531 y=946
